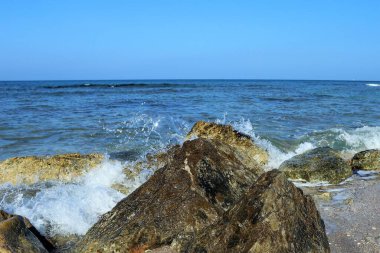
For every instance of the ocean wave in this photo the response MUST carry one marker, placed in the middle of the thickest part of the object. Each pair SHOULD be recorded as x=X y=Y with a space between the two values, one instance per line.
x=72 y=208
x=373 y=84
x=113 y=85
x=348 y=141
x=69 y=208
x=276 y=156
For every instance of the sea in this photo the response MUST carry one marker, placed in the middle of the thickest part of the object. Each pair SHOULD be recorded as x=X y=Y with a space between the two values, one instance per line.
x=129 y=119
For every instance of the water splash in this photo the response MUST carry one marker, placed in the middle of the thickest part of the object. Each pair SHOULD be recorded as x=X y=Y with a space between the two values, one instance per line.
x=69 y=208
x=346 y=141
x=276 y=156
x=146 y=134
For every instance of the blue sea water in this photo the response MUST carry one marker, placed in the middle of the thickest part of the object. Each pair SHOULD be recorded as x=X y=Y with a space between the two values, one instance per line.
x=49 y=117
x=136 y=117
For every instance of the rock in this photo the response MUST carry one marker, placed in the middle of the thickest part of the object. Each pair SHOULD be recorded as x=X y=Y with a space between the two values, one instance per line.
x=32 y=169
x=18 y=235
x=132 y=170
x=320 y=164
x=318 y=196
x=201 y=180
x=273 y=216
x=366 y=160
x=248 y=150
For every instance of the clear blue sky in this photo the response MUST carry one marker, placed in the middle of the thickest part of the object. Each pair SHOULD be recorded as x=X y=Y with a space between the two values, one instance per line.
x=80 y=39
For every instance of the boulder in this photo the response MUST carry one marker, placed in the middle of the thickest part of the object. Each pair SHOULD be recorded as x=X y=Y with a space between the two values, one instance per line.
x=18 y=235
x=248 y=151
x=201 y=180
x=366 y=160
x=273 y=216
x=32 y=169
x=319 y=164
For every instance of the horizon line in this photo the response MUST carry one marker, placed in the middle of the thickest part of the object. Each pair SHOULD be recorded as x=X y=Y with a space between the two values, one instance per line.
x=187 y=79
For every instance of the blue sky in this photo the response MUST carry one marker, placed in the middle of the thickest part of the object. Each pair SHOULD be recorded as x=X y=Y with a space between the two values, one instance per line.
x=316 y=39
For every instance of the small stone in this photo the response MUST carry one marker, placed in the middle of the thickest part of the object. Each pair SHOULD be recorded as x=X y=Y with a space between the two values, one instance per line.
x=326 y=196
x=349 y=201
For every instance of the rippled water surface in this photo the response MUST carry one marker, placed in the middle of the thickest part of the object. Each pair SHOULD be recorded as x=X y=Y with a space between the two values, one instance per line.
x=49 y=117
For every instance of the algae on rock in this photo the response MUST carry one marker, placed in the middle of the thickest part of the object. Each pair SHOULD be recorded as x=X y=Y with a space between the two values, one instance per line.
x=366 y=160
x=319 y=164
x=31 y=169
x=244 y=145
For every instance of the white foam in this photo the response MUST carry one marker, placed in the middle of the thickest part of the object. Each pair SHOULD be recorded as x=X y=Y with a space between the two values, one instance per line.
x=69 y=208
x=348 y=141
x=301 y=183
x=373 y=84
x=367 y=173
x=360 y=139
x=276 y=156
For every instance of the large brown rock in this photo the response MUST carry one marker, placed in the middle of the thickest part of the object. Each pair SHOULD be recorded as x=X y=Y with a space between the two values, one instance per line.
x=366 y=160
x=319 y=164
x=201 y=180
x=273 y=216
x=32 y=169
x=248 y=151
x=17 y=235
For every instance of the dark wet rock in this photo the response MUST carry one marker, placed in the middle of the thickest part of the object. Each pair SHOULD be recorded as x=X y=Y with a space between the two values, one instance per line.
x=320 y=164
x=63 y=243
x=202 y=179
x=17 y=234
x=33 y=169
x=153 y=162
x=273 y=216
x=366 y=160
x=206 y=200
x=248 y=151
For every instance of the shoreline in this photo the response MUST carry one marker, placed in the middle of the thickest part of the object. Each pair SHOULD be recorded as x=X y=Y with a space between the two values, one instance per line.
x=351 y=215
x=349 y=209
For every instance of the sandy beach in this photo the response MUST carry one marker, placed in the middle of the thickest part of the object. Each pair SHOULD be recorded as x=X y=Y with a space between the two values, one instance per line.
x=351 y=214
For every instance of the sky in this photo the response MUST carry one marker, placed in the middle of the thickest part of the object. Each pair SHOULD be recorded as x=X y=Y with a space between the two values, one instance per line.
x=189 y=39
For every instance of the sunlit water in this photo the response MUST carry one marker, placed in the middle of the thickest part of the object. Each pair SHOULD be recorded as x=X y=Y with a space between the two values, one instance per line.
x=139 y=117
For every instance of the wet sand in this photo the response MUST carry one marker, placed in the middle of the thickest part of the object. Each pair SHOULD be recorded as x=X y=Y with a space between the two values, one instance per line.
x=351 y=212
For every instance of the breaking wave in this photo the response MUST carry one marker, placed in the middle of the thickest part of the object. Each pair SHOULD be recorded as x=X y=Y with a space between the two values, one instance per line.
x=72 y=208
x=69 y=208
x=114 y=85
x=373 y=84
x=347 y=141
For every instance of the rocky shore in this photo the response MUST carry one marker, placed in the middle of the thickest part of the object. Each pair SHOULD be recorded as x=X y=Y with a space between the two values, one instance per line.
x=213 y=194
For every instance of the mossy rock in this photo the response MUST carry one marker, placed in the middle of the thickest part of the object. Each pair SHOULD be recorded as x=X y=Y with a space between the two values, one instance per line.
x=33 y=169
x=320 y=164
x=366 y=160
x=249 y=152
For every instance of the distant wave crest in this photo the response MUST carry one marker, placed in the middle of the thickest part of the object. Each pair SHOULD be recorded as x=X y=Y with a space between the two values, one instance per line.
x=105 y=85
x=373 y=84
